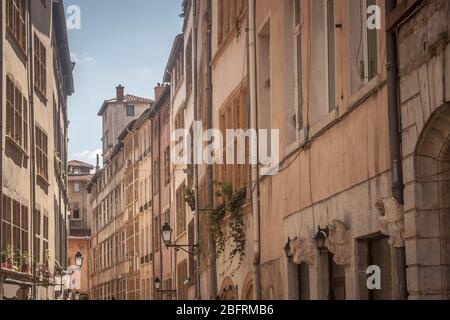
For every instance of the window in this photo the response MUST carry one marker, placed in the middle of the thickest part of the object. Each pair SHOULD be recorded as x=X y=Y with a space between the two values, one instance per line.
x=40 y=66
x=181 y=209
x=130 y=111
x=15 y=21
x=15 y=225
x=191 y=241
x=230 y=12
x=298 y=64
x=323 y=59
x=336 y=280
x=167 y=165
x=76 y=187
x=293 y=114
x=233 y=116
x=264 y=80
x=189 y=66
x=182 y=276
x=157 y=233
x=376 y=252
x=41 y=154
x=363 y=45
x=155 y=177
x=41 y=224
x=16 y=115
x=76 y=214
x=303 y=282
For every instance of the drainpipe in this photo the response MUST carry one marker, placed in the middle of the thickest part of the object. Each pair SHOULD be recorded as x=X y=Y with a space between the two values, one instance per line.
x=254 y=175
x=196 y=176
x=32 y=144
x=395 y=143
x=209 y=106
x=1 y=148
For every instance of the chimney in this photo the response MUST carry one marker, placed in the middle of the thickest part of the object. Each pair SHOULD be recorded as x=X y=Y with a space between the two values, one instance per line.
x=97 y=167
x=120 y=93
x=159 y=90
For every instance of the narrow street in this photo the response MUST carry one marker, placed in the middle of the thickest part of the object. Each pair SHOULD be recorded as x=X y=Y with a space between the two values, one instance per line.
x=224 y=150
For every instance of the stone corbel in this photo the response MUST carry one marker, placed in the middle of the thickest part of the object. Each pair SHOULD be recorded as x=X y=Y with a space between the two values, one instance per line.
x=339 y=243
x=392 y=221
x=303 y=251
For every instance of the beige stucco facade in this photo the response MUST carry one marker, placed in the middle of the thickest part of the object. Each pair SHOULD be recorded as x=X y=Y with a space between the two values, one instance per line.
x=34 y=158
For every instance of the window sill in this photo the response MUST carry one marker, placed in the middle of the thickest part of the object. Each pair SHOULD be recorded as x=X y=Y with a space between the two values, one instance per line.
x=235 y=33
x=16 y=146
x=43 y=179
x=40 y=95
x=322 y=125
x=302 y=139
x=365 y=92
x=21 y=52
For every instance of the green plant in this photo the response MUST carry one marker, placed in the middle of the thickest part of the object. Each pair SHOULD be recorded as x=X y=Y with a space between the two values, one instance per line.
x=47 y=257
x=7 y=255
x=184 y=8
x=231 y=202
x=190 y=198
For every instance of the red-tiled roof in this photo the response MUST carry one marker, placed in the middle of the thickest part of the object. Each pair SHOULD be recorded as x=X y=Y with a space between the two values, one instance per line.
x=77 y=163
x=128 y=98
x=80 y=178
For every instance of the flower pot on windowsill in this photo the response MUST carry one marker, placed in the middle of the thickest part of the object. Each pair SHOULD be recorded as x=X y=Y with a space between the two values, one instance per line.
x=24 y=269
x=6 y=266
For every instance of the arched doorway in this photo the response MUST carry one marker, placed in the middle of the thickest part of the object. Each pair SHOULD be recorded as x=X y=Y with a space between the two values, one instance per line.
x=228 y=291
x=431 y=209
x=247 y=289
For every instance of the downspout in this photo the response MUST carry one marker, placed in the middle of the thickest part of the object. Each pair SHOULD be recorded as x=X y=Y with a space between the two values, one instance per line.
x=254 y=175
x=1 y=147
x=395 y=143
x=32 y=144
x=160 y=201
x=209 y=106
x=196 y=176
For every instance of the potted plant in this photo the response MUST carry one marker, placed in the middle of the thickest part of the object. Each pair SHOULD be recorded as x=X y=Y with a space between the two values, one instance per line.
x=25 y=259
x=7 y=257
x=47 y=257
x=17 y=260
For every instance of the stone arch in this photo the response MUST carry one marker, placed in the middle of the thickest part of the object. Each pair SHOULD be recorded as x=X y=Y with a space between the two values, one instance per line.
x=247 y=289
x=428 y=242
x=228 y=290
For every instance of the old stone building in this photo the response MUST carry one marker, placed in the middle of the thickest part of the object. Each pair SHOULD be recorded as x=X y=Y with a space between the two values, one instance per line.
x=422 y=29
x=359 y=177
x=362 y=148
x=80 y=219
x=35 y=80
x=114 y=192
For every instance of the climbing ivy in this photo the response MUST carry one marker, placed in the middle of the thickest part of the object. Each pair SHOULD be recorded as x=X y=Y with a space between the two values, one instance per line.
x=231 y=202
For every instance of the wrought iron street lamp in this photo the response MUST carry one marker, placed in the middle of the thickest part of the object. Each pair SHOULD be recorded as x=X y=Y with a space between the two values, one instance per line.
x=320 y=239
x=170 y=293
x=79 y=259
x=166 y=234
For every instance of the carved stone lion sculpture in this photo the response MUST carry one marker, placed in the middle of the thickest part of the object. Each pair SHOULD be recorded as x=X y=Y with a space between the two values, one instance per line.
x=303 y=251
x=392 y=221
x=339 y=243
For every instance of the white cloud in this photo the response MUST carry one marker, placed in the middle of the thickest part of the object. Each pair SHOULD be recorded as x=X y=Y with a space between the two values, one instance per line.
x=84 y=57
x=87 y=155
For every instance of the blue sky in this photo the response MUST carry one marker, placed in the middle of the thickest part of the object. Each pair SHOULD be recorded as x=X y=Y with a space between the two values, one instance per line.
x=120 y=42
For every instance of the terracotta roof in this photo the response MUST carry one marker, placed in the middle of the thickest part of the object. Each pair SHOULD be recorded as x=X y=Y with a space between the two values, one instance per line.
x=80 y=178
x=128 y=98
x=79 y=234
x=77 y=163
